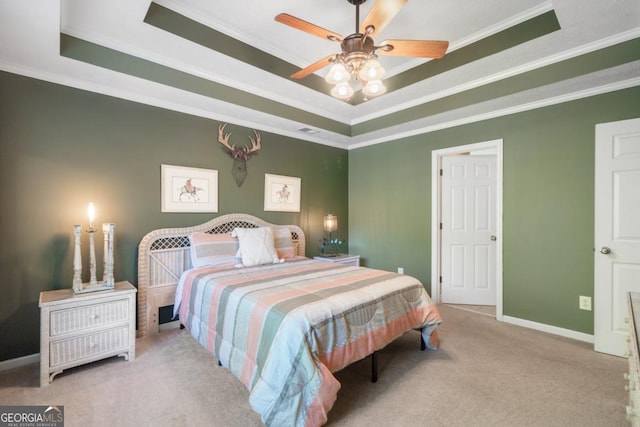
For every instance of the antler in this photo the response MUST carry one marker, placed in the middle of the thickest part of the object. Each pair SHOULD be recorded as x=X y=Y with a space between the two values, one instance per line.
x=255 y=143
x=223 y=138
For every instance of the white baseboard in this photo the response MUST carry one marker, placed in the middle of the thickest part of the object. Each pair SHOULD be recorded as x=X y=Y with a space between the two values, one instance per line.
x=567 y=333
x=19 y=361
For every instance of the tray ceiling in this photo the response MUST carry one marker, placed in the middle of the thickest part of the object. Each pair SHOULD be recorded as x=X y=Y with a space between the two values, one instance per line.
x=230 y=61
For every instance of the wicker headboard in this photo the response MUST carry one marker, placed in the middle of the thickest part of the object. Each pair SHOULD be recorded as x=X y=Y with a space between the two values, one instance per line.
x=164 y=254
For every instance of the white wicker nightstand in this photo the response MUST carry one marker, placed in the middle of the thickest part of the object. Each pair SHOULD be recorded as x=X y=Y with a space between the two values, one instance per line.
x=340 y=259
x=80 y=328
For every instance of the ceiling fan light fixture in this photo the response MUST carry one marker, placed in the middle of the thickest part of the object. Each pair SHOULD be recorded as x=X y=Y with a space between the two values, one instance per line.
x=338 y=73
x=374 y=88
x=342 y=90
x=372 y=70
x=357 y=58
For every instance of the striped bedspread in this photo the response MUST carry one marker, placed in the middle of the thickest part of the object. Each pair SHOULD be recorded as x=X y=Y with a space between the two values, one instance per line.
x=282 y=329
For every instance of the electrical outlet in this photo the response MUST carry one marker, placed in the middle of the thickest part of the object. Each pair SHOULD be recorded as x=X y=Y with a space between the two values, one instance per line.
x=585 y=303
x=400 y=270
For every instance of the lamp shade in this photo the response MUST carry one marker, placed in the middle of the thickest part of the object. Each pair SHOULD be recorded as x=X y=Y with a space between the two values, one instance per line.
x=330 y=223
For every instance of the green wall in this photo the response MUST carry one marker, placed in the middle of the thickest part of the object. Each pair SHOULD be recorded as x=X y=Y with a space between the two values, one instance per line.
x=548 y=203
x=61 y=148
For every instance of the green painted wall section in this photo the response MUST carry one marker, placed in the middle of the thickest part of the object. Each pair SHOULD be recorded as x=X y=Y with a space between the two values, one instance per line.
x=548 y=203
x=63 y=147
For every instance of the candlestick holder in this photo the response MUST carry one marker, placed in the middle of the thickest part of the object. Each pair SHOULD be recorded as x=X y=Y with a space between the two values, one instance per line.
x=93 y=285
x=108 y=231
x=93 y=280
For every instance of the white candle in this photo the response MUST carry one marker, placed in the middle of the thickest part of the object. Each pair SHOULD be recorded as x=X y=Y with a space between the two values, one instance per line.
x=91 y=210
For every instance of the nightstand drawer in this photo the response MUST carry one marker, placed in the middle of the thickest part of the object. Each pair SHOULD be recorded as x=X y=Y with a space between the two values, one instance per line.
x=66 y=351
x=88 y=317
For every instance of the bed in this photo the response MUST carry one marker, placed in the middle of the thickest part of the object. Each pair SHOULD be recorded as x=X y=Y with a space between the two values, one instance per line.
x=278 y=321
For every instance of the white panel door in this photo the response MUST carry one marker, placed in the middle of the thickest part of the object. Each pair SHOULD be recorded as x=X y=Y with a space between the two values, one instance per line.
x=468 y=261
x=617 y=231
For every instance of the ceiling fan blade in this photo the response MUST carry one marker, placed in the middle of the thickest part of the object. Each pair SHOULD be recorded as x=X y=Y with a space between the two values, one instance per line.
x=313 y=67
x=415 y=48
x=307 y=27
x=381 y=14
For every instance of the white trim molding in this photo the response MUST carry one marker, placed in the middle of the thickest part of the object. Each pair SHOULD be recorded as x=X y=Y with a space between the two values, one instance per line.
x=567 y=333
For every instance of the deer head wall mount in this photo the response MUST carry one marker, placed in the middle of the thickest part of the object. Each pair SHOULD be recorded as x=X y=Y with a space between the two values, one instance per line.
x=240 y=155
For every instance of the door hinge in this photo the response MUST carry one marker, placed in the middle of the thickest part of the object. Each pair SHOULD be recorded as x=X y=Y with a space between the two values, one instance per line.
x=440 y=279
x=440 y=226
x=441 y=172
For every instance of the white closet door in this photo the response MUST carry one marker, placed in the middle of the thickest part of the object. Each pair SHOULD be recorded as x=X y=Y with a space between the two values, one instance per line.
x=468 y=230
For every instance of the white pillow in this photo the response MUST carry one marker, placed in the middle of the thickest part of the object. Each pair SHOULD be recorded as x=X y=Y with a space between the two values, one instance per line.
x=256 y=246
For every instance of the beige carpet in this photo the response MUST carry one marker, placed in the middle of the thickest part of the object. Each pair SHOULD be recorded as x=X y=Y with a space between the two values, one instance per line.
x=487 y=310
x=485 y=374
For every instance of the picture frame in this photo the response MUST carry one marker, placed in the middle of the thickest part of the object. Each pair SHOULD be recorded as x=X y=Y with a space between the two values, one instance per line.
x=281 y=193
x=186 y=189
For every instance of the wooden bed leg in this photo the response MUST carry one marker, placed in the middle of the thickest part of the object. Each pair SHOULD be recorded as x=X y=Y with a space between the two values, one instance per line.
x=423 y=345
x=374 y=367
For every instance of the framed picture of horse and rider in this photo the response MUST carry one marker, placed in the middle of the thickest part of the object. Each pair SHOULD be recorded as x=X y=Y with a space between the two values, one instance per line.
x=187 y=189
x=281 y=193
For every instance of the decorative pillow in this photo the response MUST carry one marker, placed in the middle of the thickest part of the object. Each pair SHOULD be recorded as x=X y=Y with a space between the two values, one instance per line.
x=256 y=246
x=213 y=249
x=283 y=242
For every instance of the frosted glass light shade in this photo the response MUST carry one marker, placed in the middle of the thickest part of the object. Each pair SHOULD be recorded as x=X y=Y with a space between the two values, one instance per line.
x=372 y=70
x=374 y=88
x=342 y=91
x=338 y=73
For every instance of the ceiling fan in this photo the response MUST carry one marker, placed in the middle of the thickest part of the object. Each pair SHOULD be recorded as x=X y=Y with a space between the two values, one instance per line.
x=358 y=58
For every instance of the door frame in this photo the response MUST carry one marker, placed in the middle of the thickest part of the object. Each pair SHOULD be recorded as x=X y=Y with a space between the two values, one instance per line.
x=436 y=210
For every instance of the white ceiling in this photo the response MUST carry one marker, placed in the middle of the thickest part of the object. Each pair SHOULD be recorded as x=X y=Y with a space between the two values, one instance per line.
x=29 y=45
